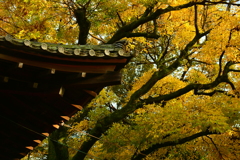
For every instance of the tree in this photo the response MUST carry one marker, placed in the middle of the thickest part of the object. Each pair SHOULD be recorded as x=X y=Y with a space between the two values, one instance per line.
x=180 y=92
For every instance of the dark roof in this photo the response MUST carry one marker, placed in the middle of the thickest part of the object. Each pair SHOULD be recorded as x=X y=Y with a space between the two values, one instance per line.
x=42 y=84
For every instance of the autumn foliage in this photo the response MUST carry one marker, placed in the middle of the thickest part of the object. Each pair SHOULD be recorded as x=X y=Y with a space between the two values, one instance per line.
x=179 y=97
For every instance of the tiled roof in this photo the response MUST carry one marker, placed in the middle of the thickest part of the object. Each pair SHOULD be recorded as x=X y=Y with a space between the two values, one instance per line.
x=91 y=51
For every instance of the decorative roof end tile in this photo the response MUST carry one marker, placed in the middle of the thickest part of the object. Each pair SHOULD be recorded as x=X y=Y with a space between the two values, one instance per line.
x=77 y=52
x=92 y=52
x=8 y=38
x=27 y=42
x=44 y=46
x=61 y=49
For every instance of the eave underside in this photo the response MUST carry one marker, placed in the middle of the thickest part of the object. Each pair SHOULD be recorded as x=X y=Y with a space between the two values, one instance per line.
x=38 y=92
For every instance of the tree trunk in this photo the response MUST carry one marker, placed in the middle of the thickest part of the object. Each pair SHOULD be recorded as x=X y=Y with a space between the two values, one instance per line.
x=84 y=25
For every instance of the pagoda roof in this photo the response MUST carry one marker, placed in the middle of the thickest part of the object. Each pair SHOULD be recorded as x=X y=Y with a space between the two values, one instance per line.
x=44 y=84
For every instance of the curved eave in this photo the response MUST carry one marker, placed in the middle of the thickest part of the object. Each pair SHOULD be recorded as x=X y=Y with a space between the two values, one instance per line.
x=41 y=83
x=70 y=58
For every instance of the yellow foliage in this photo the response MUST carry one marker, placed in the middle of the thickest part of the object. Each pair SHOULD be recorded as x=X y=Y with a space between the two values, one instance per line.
x=158 y=122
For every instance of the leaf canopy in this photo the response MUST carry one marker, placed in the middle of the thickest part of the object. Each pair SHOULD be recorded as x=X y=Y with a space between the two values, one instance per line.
x=179 y=97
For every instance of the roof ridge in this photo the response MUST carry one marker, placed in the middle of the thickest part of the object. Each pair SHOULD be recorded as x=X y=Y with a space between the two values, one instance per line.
x=117 y=49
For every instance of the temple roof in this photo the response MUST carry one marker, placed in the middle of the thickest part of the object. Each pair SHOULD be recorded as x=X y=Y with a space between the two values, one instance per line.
x=43 y=84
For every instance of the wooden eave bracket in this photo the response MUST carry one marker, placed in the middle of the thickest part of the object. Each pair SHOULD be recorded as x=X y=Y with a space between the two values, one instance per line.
x=92 y=93
x=65 y=118
x=109 y=78
x=30 y=147
x=77 y=106
x=37 y=141
x=45 y=134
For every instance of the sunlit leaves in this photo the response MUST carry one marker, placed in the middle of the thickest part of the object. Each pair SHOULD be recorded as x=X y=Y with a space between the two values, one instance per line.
x=38 y=20
x=156 y=122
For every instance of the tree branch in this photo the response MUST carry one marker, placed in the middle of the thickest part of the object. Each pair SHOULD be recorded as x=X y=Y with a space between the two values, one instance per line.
x=147 y=11
x=188 y=88
x=134 y=102
x=155 y=147
x=184 y=52
x=210 y=93
x=220 y=154
x=155 y=26
x=4 y=30
x=197 y=61
x=165 y=51
x=196 y=19
x=99 y=39
x=119 y=17
x=234 y=70
x=189 y=65
x=87 y=3
x=223 y=52
x=13 y=24
x=146 y=35
x=222 y=2
x=152 y=58
x=220 y=63
x=121 y=33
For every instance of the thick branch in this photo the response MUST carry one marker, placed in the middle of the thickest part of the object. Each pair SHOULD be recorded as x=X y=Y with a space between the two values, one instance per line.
x=121 y=33
x=146 y=35
x=134 y=102
x=171 y=143
x=87 y=4
x=210 y=93
x=147 y=11
x=234 y=70
x=104 y=124
x=195 y=87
